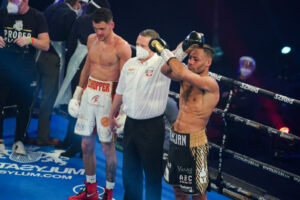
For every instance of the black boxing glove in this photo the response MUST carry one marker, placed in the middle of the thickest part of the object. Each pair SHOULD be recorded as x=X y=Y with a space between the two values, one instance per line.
x=193 y=40
x=157 y=45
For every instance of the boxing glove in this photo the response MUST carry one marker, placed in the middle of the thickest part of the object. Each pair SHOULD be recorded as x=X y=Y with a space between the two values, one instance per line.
x=74 y=104
x=157 y=45
x=193 y=39
x=160 y=47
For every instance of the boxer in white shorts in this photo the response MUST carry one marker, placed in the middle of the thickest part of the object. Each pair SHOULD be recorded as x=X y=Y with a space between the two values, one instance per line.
x=94 y=109
x=107 y=53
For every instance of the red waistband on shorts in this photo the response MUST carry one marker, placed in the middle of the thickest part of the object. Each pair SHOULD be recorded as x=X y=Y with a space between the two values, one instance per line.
x=103 y=86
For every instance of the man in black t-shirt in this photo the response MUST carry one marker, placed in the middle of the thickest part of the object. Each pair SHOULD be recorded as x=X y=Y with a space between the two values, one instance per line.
x=22 y=31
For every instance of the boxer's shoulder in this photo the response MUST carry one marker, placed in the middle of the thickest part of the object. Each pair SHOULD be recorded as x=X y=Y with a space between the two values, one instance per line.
x=92 y=38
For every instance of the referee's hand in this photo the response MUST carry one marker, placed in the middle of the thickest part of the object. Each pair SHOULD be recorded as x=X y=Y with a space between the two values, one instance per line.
x=113 y=124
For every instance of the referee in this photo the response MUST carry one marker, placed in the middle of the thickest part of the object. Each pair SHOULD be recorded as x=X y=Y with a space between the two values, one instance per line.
x=143 y=90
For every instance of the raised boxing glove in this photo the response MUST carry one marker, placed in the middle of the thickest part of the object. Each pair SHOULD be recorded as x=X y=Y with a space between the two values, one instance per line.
x=160 y=47
x=157 y=45
x=193 y=40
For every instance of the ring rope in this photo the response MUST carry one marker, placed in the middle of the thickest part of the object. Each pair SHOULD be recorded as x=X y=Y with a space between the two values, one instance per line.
x=257 y=125
x=256 y=90
x=267 y=167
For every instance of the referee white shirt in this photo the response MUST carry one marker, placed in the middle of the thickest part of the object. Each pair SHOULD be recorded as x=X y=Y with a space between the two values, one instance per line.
x=144 y=88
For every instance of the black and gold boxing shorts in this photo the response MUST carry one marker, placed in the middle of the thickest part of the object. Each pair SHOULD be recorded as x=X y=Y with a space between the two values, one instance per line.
x=187 y=162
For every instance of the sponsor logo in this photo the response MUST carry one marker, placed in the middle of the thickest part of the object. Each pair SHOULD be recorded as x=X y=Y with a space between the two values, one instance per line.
x=89 y=195
x=276 y=171
x=17 y=31
x=202 y=175
x=178 y=139
x=149 y=71
x=187 y=189
x=80 y=126
x=185 y=179
x=33 y=155
x=27 y=166
x=284 y=98
x=78 y=188
x=182 y=169
x=104 y=121
x=131 y=69
x=100 y=86
x=95 y=99
x=249 y=87
x=215 y=76
x=250 y=162
x=18 y=25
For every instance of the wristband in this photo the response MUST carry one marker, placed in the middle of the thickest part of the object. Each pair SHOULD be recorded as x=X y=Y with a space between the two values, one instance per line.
x=166 y=54
x=78 y=92
x=180 y=54
x=30 y=40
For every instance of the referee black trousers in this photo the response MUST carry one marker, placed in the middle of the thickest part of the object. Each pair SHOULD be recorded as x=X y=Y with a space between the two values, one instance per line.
x=142 y=152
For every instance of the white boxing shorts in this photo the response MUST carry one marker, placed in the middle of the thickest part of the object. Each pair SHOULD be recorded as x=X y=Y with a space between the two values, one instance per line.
x=94 y=109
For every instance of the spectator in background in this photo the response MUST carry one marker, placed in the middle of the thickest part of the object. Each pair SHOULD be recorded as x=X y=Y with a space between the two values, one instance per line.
x=40 y=5
x=60 y=18
x=75 y=57
x=244 y=104
x=22 y=31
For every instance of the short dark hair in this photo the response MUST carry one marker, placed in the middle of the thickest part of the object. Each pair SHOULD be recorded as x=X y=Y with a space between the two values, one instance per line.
x=71 y=2
x=102 y=15
x=150 y=33
x=208 y=50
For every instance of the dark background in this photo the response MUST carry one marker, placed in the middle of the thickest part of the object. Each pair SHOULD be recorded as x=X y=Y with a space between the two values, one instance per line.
x=256 y=28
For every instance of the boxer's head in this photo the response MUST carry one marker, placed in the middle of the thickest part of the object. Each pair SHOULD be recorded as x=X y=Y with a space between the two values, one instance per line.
x=143 y=51
x=200 y=59
x=103 y=23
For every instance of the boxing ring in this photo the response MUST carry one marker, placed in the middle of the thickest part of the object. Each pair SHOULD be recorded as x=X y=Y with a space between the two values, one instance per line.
x=221 y=181
x=229 y=185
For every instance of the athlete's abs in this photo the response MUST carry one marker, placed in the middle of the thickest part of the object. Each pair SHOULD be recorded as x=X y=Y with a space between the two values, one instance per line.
x=193 y=110
x=104 y=62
